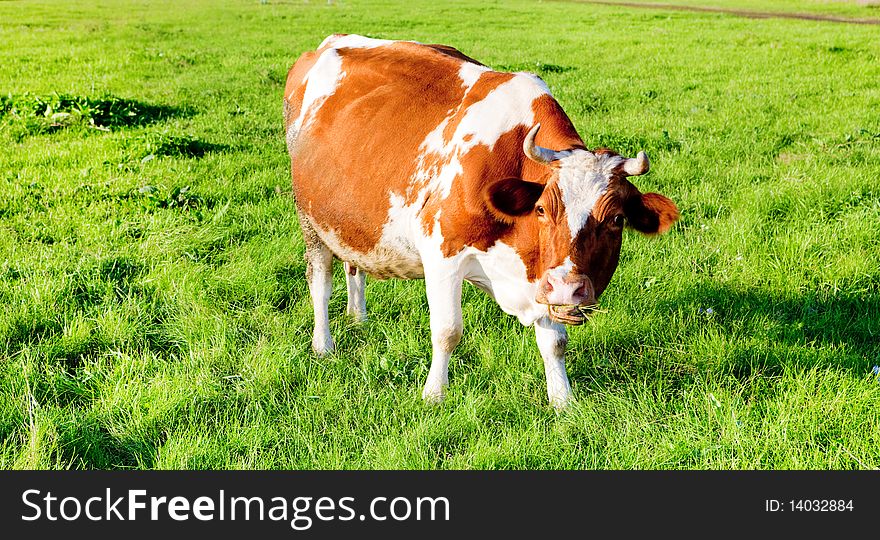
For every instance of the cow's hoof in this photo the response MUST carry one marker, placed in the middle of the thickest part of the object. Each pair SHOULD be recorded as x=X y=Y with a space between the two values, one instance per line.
x=358 y=316
x=560 y=402
x=323 y=346
x=434 y=394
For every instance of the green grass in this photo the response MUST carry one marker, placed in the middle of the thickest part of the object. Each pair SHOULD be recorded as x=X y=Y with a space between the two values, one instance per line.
x=155 y=312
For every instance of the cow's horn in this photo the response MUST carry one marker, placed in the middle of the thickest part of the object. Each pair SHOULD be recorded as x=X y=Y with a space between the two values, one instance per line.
x=535 y=152
x=637 y=165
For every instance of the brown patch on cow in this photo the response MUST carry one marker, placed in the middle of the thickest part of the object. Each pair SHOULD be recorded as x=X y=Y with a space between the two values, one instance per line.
x=554 y=236
x=596 y=252
x=609 y=204
x=464 y=217
x=648 y=213
x=454 y=53
x=557 y=132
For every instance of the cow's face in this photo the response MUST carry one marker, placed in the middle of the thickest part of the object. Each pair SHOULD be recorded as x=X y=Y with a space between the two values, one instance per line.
x=578 y=218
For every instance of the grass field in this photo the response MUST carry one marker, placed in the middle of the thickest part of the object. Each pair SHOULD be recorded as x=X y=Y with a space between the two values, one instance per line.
x=154 y=306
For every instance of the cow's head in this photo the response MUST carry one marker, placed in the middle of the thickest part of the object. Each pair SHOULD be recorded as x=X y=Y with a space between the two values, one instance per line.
x=579 y=216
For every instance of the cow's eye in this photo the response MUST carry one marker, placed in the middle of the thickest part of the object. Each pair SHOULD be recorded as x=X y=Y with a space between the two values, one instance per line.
x=539 y=210
x=618 y=220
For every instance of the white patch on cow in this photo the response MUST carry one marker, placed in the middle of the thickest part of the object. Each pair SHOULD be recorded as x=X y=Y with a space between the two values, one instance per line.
x=505 y=107
x=321 y=82
x=354 y=41
x=562 y=270
x=320 y=277
x=398 y=237
x=583 y=178
x=435 y=142
x=469 y=73
x=329 y=40
x=501 y=273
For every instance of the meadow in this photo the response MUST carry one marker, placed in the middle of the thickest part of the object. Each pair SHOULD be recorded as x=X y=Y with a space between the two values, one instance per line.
x=155 y=312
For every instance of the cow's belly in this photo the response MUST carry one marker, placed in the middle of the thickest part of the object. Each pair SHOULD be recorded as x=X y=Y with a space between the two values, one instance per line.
x=394 y=256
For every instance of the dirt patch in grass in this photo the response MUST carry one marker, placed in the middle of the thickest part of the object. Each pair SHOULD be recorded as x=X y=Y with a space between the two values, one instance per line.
x=743 y=12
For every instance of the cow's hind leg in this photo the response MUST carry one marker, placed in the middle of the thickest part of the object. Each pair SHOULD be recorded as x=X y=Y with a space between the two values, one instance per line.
x=319 y=273
x=355 y=281
x=443 y=288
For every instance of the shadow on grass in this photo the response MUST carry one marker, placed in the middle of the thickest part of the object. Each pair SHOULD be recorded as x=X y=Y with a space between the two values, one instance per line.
x=25 y=328
x=539 y=68
x=163 y=144
x=105 y=111
x=767 y=332
x=291 y=286
x=103 y=283
x=843 y=318
x=31 y=115
x=89 y=444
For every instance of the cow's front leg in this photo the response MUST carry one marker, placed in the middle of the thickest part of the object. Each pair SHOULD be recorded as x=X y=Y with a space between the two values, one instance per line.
x=552 y=339
x=355 y=281
x=443 y=287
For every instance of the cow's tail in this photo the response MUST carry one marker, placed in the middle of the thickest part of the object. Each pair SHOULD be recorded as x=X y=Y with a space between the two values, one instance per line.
x=289 y=131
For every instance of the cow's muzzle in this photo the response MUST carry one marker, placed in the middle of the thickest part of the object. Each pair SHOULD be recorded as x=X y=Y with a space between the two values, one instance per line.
x=569 y=299
x=571 y=315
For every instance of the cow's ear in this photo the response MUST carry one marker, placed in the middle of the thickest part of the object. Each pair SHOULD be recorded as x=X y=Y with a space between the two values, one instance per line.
x=650 y=213
x=512 y=197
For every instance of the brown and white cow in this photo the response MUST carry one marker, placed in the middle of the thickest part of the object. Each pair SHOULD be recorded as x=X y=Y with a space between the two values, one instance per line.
x=416 y=161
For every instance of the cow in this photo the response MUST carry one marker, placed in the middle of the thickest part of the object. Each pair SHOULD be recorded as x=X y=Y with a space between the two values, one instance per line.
x=416 y=161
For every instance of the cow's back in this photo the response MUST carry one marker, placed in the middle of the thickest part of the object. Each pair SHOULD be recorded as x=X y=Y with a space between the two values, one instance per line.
x=370 y=130
x=357 y=112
